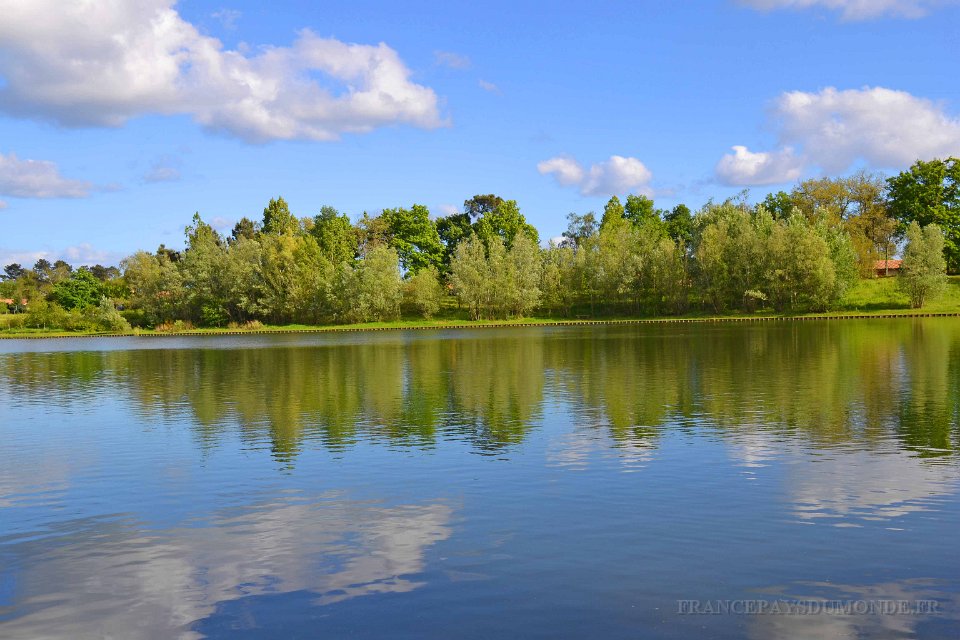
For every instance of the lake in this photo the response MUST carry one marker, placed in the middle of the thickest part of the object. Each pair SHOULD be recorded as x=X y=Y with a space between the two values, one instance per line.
x=770 y=480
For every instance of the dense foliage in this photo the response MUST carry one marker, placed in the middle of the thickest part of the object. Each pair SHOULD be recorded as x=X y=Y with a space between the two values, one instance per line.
x=792 y=252
x=922 y=274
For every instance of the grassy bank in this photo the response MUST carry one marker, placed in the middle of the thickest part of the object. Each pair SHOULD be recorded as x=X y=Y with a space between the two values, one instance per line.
x=876 y=297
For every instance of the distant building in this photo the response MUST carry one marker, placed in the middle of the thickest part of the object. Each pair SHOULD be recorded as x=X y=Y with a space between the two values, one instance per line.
x=13 y=306
x=885 y=268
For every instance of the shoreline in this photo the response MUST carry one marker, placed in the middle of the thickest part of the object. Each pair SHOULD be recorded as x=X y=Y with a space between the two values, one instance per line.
x=479 y=324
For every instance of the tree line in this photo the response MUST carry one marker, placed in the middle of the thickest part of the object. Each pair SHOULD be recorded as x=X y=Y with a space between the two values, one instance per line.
x=791 y=252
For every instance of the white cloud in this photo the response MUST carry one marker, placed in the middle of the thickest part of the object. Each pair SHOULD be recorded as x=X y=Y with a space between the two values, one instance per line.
x=856 y=9
x=887 y=128
x=565 y=170
x=223 y=224
x=488 y=86
x=228 y=18
x=102 y=63
x=86 y=253
x=82 y=254
x=744 y=167
x=451 y=60
x=162 y=582
x=37 y=179
x=449 y=209
x=834 y=129
x=617 y=175
x=24 y=258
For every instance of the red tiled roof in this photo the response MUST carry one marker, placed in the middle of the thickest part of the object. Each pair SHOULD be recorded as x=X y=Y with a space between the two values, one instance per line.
x=887 y=264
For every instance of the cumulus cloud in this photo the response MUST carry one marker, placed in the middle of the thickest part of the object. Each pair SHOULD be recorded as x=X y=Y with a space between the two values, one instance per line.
x=833 y=129
x=856 y=9
x=102 y=63
x=887 y=128
x=37 y=179
x=449 y=209
x=617 y=175
x=744 y=167
x=451 y=60
x=565 y=170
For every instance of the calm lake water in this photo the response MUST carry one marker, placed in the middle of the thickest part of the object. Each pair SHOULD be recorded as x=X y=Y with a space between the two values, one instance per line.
x=542 y=483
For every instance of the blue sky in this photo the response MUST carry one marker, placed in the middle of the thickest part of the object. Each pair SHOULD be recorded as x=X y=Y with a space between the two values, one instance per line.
x=118 y=120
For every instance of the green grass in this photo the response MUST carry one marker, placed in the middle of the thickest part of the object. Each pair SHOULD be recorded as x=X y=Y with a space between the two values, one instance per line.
x=869 y=297
x=881 y=295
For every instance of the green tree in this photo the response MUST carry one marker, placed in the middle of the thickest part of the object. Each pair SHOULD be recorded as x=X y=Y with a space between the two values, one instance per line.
x=311 y=284
x=245 y=228
x=779 y=204
x=844 y=257
x=579 y=228
x=667 y=273
x=453 y=230
x=379 y=289
x=79 y=292
x=277 y=219
x=43 y=269
x=372 y=231
x=13 y=271
x=424 y=291
x=203 y=266
x=504 y=221
x=619 y=264
x=558 y=279
x=469 y=275
x=522 y=277
x=414 y=235
x=107 y=318
x=613 y=212
x=479 y=205
x=800 y=274
x=824 y=196
x=929 y=193
x=335 y=235
x=679 y=224
x=104 y=274
x=280 y=275
x=156 y=285
x=639 y=210
x=731 y=255
x=61 y=271
x=923 y=270
x=243 y=275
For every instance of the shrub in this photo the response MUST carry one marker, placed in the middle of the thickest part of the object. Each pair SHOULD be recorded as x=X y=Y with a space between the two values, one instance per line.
x=106 y=317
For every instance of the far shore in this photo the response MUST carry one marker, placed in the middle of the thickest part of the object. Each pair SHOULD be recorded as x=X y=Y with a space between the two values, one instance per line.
x=420 y=324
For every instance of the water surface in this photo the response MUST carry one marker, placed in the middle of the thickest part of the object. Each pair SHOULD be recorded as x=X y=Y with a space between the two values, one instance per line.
x=537 y=482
